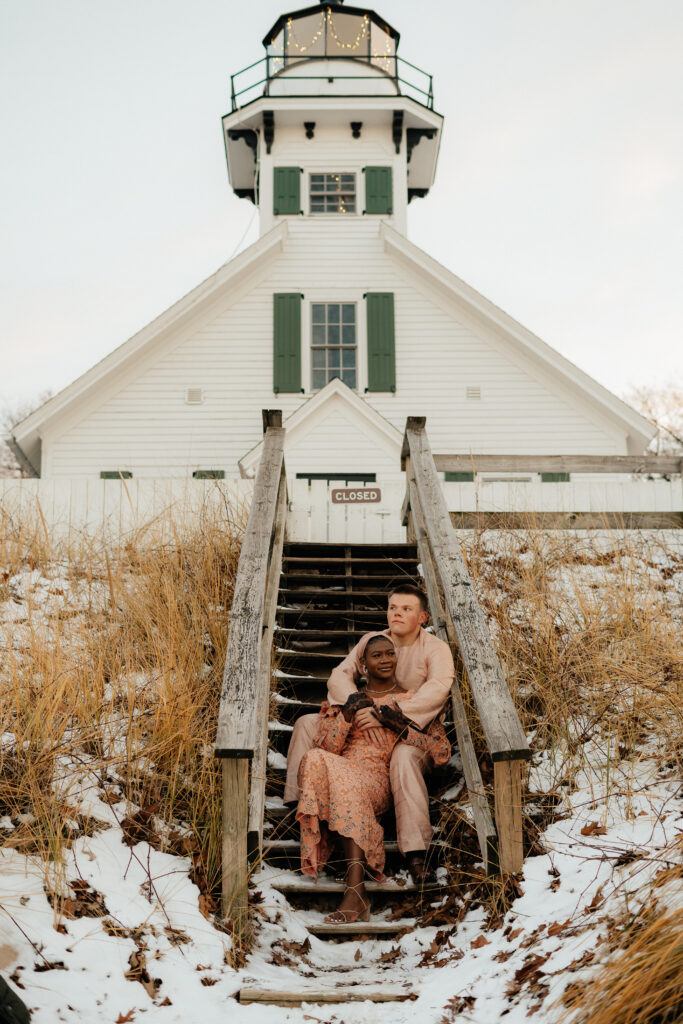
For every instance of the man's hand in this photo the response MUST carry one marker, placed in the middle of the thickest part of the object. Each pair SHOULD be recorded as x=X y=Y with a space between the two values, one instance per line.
x=391 y=718
x=354 y=703
x=366 y=720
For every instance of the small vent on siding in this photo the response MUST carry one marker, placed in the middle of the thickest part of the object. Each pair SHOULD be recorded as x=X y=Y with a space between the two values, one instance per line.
x=473 y=392
x=194 y=396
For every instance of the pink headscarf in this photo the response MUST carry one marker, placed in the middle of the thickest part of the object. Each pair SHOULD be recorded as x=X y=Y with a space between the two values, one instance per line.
x=367 y=637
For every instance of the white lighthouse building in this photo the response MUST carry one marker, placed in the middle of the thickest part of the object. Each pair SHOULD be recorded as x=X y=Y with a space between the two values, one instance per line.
x=333 y=315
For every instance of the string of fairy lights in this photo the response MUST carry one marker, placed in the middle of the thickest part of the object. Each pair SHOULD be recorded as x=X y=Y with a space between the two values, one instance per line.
x=294 y=45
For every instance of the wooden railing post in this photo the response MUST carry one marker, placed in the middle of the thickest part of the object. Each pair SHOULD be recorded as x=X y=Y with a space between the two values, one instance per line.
x=242 y=718
x=507 y=784
x=445 y=569
x=234 y=875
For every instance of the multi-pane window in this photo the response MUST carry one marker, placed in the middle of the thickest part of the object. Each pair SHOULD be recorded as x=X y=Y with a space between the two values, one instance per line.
x=333 y=343
x=333 y=193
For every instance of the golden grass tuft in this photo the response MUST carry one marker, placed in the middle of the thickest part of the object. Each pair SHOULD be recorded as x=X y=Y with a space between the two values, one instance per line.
x=641 y=983
x=112 y=681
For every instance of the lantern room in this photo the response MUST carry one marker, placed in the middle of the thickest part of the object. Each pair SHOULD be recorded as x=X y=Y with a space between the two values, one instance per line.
x=331 y=106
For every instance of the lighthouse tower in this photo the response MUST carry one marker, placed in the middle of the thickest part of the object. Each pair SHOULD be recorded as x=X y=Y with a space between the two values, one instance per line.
x=332 y=315
x=332 y=124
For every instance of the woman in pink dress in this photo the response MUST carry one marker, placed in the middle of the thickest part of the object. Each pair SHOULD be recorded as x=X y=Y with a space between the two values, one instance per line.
x=344 y=780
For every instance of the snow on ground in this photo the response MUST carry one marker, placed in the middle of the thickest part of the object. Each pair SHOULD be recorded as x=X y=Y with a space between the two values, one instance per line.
x=143 y=950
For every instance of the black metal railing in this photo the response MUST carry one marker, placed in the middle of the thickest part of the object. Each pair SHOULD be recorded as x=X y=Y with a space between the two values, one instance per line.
x=255 y=80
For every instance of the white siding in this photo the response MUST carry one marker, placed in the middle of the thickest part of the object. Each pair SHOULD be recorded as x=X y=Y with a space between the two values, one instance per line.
x=144 y=425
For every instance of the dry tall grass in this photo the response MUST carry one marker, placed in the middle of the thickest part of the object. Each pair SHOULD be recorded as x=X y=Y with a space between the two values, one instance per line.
x=642 y=983
x=588 y=630
x=110 y=680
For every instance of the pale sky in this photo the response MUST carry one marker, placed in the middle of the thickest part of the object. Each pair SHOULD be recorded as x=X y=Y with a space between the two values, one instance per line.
x=559 y=191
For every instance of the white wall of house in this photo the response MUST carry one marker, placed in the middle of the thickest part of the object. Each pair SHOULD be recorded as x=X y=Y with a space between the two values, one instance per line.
x=139 y=420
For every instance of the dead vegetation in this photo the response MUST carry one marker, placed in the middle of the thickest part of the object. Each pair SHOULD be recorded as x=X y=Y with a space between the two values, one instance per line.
x=109 y=687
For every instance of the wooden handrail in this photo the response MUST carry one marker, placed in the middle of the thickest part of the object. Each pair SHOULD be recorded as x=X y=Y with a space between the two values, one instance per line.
x=486 y=830
x=666 y=465
x=241 y=734
x=465 y=622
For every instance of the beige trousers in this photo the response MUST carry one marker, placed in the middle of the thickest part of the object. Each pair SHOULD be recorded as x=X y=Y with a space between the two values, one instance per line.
x=406 y=772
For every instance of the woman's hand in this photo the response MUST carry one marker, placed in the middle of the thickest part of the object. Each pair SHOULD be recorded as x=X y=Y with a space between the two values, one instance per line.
x=366 y=720
x=391 y=718
x=355 y=702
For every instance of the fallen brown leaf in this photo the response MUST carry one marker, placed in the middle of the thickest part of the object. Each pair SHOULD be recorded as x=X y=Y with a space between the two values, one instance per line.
x=138 y=972
x=594 y=829
x=596 y=902
x=480 y=941
x=391 y=956
x=138 y=828
x=557 y=927
x=125 y=1018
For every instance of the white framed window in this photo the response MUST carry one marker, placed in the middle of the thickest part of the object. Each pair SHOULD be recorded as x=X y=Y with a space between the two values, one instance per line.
x=333 y=192
x=334 y=343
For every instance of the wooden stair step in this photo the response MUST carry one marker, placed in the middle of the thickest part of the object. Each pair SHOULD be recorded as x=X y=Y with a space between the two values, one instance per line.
x=357 y=579
x=295 y=635
x=340 y=560
x=291 y=653
x=309 y=593
x=358 y=928
x=293 y=845
x=336 y=614
x=378 y=992
x=304 y=886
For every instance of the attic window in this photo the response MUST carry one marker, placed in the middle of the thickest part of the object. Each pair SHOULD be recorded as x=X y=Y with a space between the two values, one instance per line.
x=473 y=392
x=194 y=396
x=333 y=193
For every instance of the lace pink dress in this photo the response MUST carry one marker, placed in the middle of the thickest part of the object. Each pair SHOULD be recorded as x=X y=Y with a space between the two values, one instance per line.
x=344 y=785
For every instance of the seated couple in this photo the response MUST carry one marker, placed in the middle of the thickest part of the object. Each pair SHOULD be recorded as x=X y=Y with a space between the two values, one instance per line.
x=375 y=737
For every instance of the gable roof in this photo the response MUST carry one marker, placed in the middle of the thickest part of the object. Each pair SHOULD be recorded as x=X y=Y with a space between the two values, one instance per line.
x=303 y=419
x=27 y=433
x=481 y=310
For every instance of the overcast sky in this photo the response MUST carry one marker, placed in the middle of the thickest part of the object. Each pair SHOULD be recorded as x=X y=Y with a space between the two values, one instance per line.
x=559 y=191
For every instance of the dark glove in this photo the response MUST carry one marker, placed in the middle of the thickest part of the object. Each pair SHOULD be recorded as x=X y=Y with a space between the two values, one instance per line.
x=354 y=702
x=392 y=718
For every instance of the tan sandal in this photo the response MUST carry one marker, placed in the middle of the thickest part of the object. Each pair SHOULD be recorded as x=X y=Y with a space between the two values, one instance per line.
x=350 y=916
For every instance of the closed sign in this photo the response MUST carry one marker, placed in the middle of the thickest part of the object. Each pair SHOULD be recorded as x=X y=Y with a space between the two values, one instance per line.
x=356 y=495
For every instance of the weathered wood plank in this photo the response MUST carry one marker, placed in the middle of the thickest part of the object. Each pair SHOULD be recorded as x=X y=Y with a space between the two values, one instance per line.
x=503 y=731
x=486 y=830
x=318 y=994
x=361 y=928
x=236 y=735
x=665 y=464
x=257 y=791
x=234 y=844
x=508 y=799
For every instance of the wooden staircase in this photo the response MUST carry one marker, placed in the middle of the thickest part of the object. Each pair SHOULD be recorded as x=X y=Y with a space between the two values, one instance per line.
x=297 y=611
x=330 y=595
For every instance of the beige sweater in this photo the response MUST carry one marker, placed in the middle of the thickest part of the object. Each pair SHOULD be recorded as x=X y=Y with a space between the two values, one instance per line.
x=425 y=666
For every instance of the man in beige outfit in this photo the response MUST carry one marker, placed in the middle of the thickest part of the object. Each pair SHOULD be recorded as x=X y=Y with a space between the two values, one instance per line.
x=425 y=664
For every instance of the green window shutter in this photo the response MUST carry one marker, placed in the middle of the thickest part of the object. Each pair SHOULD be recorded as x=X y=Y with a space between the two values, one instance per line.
x=286 y=342
x=208 y=474
x=381 y=345
x=286 y=190
x=115 y=474
x=459 y=478
x=554 y=478
x=378 y=190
